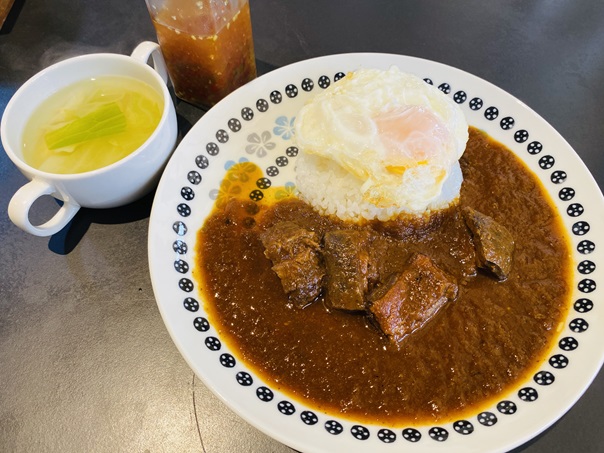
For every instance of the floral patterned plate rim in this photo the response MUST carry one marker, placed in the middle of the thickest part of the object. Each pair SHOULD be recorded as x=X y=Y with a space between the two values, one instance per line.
x=255 y=124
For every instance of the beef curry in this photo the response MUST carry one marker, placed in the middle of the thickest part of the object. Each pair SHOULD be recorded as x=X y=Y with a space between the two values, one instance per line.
x=493 y=333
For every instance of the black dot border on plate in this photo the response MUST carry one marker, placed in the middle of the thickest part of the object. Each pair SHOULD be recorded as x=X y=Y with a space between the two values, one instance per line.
x=556 y=363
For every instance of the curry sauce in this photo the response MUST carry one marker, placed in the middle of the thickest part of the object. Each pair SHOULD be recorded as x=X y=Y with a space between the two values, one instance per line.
x=477 y=348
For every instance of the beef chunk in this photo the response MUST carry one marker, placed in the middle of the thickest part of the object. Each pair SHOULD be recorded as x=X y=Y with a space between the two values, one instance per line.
x=493 y=242
x=347 y=267
x=407 y=301
x=294 y=252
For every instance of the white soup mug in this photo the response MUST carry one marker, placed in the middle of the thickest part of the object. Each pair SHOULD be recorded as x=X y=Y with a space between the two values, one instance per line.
x=114 y=185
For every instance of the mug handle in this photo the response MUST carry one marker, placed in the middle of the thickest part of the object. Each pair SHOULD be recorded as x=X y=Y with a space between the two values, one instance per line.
x=147 y=49
x=24 y=198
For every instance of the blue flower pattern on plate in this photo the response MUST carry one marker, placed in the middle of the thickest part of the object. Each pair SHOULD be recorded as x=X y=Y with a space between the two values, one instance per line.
x=284 y=127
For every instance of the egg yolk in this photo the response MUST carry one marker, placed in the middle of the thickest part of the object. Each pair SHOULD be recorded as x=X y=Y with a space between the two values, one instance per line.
x=411 y=136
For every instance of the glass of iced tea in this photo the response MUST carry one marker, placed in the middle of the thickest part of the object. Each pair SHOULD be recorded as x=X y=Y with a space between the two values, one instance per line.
x=207 y=45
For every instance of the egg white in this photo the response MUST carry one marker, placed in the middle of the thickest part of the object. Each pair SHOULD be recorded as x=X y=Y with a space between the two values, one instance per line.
x=399 y=136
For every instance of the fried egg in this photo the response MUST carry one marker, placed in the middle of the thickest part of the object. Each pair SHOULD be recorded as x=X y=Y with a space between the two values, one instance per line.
x=398 y=136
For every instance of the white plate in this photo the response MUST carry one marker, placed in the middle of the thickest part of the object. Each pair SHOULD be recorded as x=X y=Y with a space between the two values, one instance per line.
x=255 y=123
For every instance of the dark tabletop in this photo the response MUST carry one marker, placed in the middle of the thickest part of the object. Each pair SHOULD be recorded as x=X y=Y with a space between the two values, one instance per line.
x=86 y=363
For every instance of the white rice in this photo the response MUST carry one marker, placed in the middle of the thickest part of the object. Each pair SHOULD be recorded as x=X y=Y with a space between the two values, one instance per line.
x=331 y=190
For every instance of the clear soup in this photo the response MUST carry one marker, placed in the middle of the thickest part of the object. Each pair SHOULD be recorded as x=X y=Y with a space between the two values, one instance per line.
x=91 y=124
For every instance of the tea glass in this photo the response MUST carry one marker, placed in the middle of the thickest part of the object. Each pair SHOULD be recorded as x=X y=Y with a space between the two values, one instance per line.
x=207 y=45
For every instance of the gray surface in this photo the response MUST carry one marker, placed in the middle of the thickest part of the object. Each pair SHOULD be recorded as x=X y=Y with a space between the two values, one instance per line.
x=86 y=363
